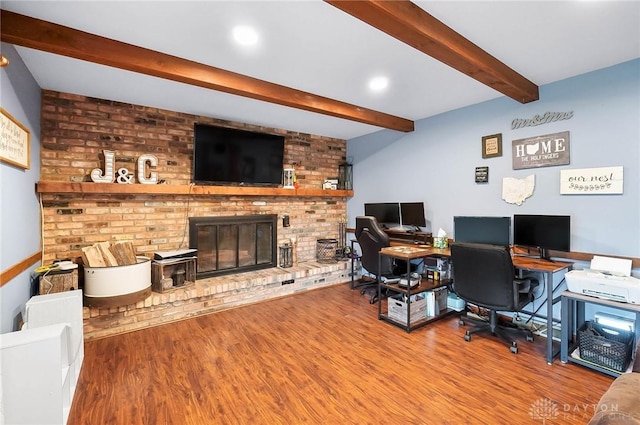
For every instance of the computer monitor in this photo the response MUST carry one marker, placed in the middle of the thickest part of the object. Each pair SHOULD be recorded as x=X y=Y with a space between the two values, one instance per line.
x=387 y=214
x=489 y=230
x=412 y=214
x=545 y=232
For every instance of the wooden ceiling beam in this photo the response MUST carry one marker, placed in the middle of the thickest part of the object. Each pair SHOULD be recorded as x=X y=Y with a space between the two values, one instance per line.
x=37 y=34
x=410 y=24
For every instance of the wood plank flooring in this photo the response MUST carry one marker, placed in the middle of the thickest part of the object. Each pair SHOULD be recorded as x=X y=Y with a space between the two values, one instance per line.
x=323 y=357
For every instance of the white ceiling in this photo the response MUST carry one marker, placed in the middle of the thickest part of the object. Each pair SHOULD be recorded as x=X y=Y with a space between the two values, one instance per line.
x=314 y=47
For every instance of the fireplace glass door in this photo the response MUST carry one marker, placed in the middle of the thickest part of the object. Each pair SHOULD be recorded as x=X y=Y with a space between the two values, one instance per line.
x=233 y=244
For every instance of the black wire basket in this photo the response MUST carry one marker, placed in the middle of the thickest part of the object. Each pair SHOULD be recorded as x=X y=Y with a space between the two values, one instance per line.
x=607 y=347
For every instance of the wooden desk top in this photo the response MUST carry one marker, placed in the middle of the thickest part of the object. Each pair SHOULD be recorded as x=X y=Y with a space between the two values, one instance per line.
x=539 y=264
x=412 y=251
x=409 y=252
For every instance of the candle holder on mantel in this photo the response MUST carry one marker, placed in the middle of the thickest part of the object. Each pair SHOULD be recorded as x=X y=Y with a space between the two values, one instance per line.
x=345 y=176
x=288 y=178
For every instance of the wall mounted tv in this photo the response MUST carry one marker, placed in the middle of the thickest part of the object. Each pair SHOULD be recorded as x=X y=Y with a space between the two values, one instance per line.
x=227 y=156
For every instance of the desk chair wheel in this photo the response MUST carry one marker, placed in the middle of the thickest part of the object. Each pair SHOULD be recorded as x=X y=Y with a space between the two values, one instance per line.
x=467 y=336
x=529 y=338
x=373 y=299
x=461 y=322
x=514 y=347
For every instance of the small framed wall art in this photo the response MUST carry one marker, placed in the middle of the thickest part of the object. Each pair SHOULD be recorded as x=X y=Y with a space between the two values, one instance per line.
x=492 y=146
x=482 y=174
x=15 y=141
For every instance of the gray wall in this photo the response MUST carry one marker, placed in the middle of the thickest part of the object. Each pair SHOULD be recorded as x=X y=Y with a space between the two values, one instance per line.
x=436 y=163
x=19 y=207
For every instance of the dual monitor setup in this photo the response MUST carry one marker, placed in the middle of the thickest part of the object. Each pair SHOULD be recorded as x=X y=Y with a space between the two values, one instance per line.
x=540 y=232
x=398 y=215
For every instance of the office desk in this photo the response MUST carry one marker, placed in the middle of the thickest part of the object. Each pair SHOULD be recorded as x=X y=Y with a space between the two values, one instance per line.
x=408 y=253
x=548 y=269
x=521 y=263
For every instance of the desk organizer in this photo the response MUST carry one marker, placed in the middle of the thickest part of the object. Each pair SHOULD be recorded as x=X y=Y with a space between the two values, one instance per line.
x=607 y=347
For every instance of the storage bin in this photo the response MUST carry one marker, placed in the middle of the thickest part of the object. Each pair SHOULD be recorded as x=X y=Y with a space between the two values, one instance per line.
x=102 y=282
x=327 y=250
x=397 y=307
x=607 y=347
x=172 y=274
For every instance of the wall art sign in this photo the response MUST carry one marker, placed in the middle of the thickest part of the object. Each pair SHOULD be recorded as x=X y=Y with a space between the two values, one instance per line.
x=15 y=141
x=492 y=146
x=537 y=119
x=541 y=151
x=482 y=174
x=592 y=181
x=516 y=191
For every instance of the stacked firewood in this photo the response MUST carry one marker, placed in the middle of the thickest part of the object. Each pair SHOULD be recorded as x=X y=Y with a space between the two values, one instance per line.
x=108 y=254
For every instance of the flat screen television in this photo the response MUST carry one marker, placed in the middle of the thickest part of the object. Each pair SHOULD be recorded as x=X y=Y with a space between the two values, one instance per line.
x=544 y=232
x=489 y=230
x=387 y=214
x=412 y=214
x=228 y=156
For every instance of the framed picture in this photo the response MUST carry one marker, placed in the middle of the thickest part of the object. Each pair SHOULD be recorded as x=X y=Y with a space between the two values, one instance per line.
x=492 y=146
x=482 y=174
x=15 y=141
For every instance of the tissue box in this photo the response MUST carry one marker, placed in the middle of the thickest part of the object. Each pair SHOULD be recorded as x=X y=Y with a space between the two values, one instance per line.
x=440 y=242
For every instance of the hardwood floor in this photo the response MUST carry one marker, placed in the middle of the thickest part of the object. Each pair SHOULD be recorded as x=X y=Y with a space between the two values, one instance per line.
x=323 y=357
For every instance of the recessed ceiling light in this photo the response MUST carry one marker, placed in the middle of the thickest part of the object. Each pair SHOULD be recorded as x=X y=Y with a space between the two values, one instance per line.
x=245 y=35
x=378 y=83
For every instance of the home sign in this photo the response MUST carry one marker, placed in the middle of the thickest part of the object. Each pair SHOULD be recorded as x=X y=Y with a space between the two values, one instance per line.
x=541 y=151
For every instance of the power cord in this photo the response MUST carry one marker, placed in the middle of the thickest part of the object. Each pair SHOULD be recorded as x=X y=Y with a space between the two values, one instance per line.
x=186 y=216
x=44 y=271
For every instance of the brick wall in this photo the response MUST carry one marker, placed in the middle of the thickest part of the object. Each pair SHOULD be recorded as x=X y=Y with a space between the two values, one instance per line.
x=75 y=131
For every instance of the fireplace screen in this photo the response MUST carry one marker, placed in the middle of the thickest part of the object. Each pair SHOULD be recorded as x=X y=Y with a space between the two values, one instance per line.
x=233 y=244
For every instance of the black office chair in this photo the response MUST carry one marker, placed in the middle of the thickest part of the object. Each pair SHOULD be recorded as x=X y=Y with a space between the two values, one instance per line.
x=372 y=239
x=483 y=275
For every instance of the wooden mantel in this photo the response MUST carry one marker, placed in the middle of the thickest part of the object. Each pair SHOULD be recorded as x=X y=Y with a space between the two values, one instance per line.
x=170 y=189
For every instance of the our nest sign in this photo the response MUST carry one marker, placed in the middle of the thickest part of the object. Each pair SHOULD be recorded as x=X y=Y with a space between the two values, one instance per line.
x=592 y=181
x=541 y=151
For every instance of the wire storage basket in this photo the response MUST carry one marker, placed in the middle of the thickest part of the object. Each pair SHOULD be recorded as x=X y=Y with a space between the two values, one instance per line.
x=326 y=250
x=607 y=347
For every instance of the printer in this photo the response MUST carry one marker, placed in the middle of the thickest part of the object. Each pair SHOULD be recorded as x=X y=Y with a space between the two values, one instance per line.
x=608 y=278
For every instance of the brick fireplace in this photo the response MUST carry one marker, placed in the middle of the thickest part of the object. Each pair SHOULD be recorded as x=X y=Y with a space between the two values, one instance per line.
x=76 y=129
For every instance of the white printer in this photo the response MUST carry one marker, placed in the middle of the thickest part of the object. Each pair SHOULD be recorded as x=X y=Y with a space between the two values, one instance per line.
x=608 y=278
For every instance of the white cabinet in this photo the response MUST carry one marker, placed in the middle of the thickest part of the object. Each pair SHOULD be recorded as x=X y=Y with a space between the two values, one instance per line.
x=40 y=365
